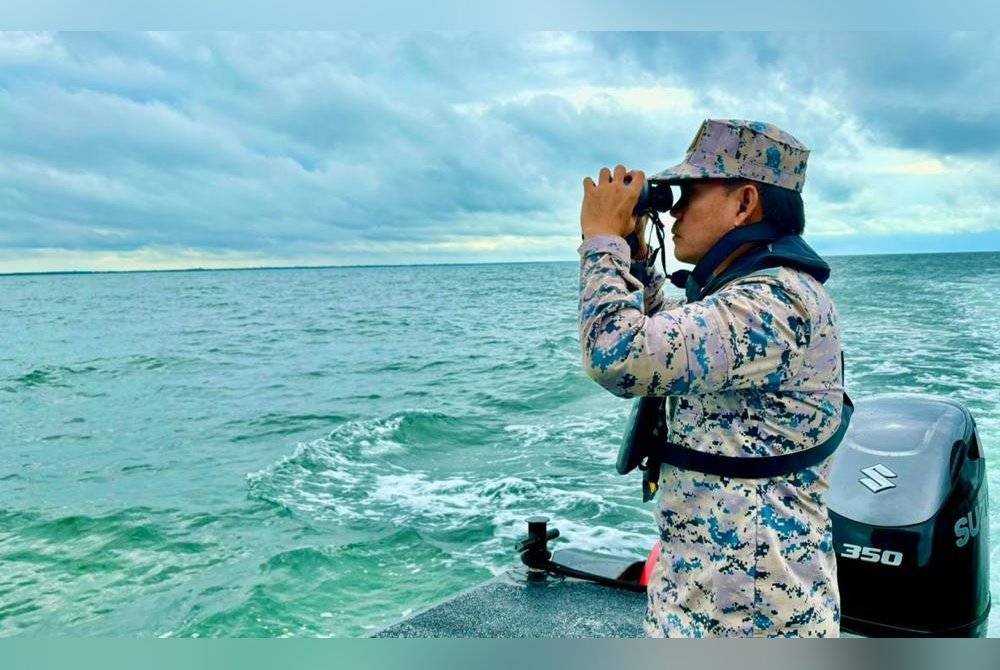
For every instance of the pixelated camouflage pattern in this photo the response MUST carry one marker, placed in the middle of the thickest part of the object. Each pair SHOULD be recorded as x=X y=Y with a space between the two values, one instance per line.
x=727 y=148
x=752 y=370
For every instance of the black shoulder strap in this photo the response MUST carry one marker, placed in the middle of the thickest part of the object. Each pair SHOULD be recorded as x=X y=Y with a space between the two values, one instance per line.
x=756 y=467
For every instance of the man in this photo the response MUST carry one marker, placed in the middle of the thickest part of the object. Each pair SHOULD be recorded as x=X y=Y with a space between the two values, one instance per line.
x=751 y=366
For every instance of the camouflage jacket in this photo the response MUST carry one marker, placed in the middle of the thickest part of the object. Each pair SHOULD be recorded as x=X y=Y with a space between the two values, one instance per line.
x=752 y=370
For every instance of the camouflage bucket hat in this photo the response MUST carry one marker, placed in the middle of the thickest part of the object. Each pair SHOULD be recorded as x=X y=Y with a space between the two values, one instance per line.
x=728 y=148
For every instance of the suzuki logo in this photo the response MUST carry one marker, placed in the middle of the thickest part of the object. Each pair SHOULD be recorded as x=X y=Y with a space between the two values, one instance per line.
x=875 y=478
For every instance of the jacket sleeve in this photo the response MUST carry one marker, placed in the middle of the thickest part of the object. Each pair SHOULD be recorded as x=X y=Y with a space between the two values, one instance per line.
x=652 y=281
x=750 y=334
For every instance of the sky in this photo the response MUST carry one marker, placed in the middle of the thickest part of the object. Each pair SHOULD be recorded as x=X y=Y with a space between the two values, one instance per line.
x=131 y=151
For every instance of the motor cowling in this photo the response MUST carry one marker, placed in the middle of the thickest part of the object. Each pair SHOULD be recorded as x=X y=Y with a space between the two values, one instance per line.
x=908 y=503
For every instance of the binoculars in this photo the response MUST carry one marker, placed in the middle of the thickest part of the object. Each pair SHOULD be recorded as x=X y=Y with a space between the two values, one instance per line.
x=656 y=196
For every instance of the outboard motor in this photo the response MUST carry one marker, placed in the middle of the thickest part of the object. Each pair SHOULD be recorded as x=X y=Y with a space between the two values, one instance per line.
x=908 y=502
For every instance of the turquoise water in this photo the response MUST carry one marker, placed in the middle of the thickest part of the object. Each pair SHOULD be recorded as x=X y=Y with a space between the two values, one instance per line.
x=321 y=451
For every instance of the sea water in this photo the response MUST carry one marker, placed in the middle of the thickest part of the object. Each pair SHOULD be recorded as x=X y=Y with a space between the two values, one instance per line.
x=318 y=452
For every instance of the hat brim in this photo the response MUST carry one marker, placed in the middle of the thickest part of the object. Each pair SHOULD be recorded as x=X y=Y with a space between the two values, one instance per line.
x=685 y=171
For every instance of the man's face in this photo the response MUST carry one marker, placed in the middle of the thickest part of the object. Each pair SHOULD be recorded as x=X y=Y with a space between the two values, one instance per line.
x=706 y=211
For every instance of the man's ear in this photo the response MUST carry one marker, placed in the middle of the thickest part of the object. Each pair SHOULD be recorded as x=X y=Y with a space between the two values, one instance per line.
x=749 y=204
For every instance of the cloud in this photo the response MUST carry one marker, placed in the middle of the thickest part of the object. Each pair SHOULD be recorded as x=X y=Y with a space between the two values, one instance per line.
x=924 y=167
x=646 y=99
x=340 y=148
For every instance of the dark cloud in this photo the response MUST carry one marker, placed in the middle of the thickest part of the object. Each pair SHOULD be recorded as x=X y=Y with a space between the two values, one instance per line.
x=931 y=91
x=943 y=133
x=922 y=90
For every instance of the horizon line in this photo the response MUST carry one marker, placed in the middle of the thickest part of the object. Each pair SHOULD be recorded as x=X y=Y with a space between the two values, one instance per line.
x=407 y=265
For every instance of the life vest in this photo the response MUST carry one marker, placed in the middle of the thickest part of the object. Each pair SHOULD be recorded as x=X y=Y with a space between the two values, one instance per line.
x=645 y=444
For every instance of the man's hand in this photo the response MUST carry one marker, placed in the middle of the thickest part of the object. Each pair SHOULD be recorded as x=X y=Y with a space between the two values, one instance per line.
x=607 y=206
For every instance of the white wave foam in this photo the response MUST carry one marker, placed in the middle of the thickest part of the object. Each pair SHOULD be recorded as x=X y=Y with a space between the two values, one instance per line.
x=527 y=435
x=342 y=478
x=452 y=501
x=371 y=437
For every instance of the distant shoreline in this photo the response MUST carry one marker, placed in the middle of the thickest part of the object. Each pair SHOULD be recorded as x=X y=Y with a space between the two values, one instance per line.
x=414 y=265
x=277 y=267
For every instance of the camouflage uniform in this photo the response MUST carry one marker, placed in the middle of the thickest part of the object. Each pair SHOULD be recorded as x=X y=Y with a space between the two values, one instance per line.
x=752 y=370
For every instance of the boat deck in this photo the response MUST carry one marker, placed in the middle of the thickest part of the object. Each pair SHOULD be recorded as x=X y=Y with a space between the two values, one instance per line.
x=509 y=607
